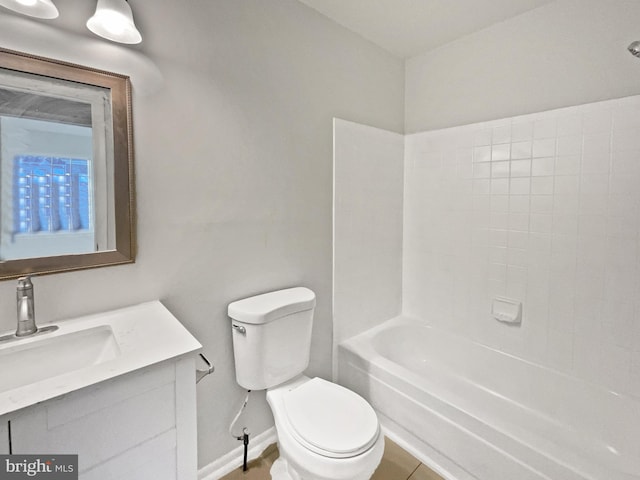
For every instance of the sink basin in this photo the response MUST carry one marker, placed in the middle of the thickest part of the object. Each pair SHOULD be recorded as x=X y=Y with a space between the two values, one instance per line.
x=88 y=350
x=47 y=356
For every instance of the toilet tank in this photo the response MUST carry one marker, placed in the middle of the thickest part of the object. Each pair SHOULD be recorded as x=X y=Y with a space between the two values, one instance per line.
x=272 y=336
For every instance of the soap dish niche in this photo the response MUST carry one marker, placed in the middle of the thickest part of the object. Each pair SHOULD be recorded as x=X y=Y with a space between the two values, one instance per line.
x=507 y=310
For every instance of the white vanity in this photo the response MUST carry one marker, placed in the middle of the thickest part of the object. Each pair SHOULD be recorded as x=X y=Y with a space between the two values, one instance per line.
x=116 y=388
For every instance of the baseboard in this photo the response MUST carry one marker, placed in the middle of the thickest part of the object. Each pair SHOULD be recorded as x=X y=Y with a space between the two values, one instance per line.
x=232 y=460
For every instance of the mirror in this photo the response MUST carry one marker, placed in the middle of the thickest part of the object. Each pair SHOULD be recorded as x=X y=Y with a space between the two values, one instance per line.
x=66 y=167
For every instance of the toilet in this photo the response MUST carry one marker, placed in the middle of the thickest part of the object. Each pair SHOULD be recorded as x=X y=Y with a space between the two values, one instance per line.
x=325 y=431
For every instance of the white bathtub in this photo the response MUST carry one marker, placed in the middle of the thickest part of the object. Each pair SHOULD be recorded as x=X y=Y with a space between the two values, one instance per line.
x=477 y=413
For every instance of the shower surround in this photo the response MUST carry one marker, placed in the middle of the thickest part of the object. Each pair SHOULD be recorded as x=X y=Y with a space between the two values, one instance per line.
x=543 y=209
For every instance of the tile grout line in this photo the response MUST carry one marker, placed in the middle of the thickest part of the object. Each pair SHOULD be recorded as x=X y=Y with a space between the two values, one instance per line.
x=414 y=470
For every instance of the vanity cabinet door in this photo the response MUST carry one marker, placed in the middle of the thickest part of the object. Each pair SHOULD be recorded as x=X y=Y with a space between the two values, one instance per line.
x=120 y=429
x=4 y=436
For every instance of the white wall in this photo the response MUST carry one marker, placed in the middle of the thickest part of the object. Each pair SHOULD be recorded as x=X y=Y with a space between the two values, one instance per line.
x=543 y=209
x=565 y=53
x=233 y=108
x=368 y=189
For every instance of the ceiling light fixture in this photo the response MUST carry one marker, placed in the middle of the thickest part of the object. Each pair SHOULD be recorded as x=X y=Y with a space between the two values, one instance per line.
x=33 y=8
x=113 y=20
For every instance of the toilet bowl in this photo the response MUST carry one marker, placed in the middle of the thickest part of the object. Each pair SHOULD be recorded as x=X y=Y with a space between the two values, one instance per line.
x=325 y=432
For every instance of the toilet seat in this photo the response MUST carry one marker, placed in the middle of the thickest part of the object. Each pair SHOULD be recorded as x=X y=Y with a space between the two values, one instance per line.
x=330 y=420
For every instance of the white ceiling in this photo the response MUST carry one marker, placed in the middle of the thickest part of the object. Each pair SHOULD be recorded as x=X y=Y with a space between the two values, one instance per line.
x=409 y=27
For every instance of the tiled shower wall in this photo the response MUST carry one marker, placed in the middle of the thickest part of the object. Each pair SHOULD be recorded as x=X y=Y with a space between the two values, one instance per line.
x=368 y=189
x=541 y=208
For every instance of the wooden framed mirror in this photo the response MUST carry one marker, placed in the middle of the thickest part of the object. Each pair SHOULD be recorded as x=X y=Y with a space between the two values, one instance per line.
x=66 y=167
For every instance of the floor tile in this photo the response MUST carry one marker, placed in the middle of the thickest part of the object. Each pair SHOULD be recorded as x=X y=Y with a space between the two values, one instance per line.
x=425 y=473
x=396 y=464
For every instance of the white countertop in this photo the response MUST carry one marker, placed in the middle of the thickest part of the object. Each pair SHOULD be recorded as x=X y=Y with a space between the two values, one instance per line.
x=146 y=334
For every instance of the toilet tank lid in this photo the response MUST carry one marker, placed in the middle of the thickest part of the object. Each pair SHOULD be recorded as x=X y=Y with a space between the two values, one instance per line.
x=270 y=306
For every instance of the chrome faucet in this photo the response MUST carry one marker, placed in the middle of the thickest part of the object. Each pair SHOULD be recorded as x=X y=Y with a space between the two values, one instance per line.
x=26 y=309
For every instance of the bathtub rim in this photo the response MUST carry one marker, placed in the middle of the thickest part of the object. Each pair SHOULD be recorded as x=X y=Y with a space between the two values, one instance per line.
x=358 y=343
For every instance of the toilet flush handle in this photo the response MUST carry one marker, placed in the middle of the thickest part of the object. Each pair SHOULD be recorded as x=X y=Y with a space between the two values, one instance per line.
x=239 y=329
